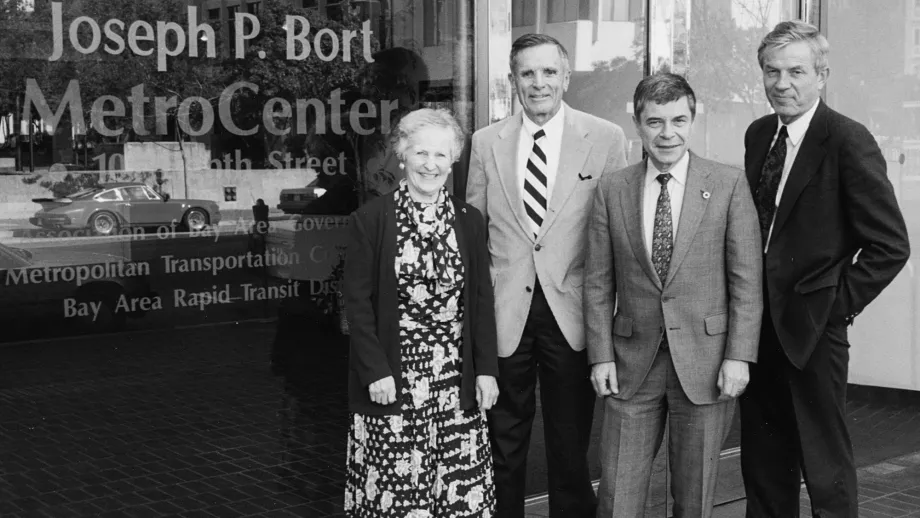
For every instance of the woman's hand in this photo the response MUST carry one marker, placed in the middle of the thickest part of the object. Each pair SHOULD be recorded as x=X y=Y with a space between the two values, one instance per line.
x=383 y=391
x=486 y=391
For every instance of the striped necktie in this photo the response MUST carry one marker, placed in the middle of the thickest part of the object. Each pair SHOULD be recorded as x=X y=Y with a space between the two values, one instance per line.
x=535 y=190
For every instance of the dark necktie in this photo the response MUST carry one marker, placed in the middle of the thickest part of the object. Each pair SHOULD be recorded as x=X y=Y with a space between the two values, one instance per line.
x=765 y=195
x=535 y=190
x=663 y=235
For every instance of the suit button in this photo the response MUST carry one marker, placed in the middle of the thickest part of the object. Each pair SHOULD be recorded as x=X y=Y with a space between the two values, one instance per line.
x=538 y=247
x=667 y=299
x=528 y=289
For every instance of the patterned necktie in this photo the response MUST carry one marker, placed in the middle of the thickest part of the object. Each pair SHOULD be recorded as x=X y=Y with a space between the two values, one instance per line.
x=765 y=195
x=535 y=184
x=663 y=236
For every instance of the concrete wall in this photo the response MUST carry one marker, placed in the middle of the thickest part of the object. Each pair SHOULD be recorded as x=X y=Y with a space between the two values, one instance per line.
x=16 y=197
x=149 y=156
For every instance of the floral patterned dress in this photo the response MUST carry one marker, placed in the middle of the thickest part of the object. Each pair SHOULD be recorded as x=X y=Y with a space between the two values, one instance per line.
x=433 y=459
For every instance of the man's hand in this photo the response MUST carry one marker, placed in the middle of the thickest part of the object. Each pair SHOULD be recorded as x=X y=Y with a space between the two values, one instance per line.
x=486 y=391
x=733 y=378
x=383 y=391
x=604 y=379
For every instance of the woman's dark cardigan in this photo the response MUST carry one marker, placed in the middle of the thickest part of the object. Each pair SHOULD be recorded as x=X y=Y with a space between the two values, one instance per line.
x=372 y=305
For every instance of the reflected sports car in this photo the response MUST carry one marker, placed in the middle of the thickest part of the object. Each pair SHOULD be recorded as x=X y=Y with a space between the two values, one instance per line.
x=104 y=209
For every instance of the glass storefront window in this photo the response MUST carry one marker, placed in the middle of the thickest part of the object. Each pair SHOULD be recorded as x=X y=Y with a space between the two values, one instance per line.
x=222 y=144
x=523 y=12
x=875 y=79
x=714 y=44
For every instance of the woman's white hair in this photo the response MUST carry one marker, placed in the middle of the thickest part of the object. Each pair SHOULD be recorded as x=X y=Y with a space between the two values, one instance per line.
x=418 y=120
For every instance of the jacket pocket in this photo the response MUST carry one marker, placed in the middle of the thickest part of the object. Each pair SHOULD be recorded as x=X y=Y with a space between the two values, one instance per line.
x=827 y=280
x=622 y=326
x=716 y=324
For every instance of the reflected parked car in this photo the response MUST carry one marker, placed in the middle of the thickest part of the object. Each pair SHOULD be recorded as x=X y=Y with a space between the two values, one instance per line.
x=104 y=209
x=42 y=287
x=295 y=200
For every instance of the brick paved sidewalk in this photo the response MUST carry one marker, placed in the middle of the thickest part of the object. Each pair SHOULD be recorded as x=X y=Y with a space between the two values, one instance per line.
x=887 y=489
x=229 y=420
x=187 y=423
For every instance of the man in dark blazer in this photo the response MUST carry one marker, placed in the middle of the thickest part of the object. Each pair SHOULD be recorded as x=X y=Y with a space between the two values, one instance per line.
x=834 y=238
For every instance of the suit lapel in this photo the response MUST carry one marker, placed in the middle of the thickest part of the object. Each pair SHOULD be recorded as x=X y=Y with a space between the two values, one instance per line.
x=504 y=151
x=573 y=155
x=759 y=150
x=806 y=164
x=631 y=200
x=691 y=213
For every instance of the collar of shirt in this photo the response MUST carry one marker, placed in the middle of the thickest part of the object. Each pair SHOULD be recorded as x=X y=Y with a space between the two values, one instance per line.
x=797 y=128
x=678 y=172
x=552 y=126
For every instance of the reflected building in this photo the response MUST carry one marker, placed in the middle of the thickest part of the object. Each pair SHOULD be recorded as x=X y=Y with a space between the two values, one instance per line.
x=591 y=30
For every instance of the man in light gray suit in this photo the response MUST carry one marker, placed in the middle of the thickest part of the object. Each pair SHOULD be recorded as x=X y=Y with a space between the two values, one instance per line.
x=533 y=177
x=672 y=306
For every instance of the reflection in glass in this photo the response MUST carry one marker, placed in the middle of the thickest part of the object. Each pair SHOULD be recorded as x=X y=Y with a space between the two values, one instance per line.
x=714 y=43
x=264 y=105
x=875 y=79
x=606 y=56
x=523 y=12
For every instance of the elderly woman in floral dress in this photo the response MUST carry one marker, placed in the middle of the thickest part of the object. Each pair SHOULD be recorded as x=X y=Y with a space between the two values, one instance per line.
x=423 y=360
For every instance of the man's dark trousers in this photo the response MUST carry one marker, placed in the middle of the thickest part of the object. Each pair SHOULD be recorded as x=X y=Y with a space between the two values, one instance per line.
x=784 y=407
x=567 y=400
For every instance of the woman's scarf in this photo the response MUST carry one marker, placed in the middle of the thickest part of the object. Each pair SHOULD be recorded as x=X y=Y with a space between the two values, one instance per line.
x=433 y=236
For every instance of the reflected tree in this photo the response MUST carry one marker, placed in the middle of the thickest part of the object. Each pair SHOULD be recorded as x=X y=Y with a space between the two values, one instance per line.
x=723 y=58
x=606 y=90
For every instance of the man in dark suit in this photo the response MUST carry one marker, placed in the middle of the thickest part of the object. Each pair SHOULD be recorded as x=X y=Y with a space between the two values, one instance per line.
x=833 y=238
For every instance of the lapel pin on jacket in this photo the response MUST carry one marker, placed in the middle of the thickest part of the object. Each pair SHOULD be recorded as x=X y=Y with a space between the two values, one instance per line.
x=706 y=195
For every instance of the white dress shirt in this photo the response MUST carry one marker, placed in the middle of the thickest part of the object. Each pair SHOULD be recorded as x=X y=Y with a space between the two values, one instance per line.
x=551 y=146
x=676 y=186
x=796 y=133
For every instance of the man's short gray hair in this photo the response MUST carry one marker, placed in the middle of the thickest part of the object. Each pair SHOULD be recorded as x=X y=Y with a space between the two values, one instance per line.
x=790 y=32
x=418 y=120
x=531 y=40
